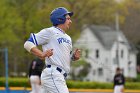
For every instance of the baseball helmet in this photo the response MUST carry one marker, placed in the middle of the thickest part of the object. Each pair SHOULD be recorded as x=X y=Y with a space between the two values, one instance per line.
x=58 y=15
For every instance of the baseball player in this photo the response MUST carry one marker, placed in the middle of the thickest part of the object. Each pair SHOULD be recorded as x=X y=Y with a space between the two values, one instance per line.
x=35 y=70
x=56 y=50
x=119 y=81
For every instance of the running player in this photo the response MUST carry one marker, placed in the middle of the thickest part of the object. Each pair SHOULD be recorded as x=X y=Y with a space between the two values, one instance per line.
x=57 y=51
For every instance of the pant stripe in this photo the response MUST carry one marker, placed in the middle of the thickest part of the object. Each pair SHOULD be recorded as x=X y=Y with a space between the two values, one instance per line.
x=54 y=82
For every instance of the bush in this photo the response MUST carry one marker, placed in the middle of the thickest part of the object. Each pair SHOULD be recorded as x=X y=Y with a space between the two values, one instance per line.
x=133 y=79
x=24 y=82
x=15 y=82
x=2 y=82
x=89 y=85
x=132 y=85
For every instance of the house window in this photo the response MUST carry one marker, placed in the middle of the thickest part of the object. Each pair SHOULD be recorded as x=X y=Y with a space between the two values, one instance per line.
x=129 y=66
x=86 y=53
x=115 y=61
x=97 y=53
x=122 y=71
x=117 y=53
x=122 y=53
x=117 y=57
x=100 y=71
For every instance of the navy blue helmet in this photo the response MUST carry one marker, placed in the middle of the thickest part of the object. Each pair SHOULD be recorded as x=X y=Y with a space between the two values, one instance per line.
x=58 y=15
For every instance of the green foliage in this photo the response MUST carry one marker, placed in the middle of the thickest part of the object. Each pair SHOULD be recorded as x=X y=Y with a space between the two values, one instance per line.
x=2 y=82
x=134 y=79
x=79 y=63
x=83 y=72
x=89 y=85
x=24 y=82
x=15 y=82
x=132 y=85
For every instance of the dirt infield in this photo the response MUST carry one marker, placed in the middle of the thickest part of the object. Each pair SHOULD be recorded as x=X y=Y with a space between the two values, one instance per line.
x=26 y=90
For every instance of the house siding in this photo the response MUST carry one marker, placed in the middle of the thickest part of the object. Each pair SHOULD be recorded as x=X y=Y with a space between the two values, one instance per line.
x=103 y=68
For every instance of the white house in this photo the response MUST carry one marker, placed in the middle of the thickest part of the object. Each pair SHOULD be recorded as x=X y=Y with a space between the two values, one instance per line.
x=106 y=49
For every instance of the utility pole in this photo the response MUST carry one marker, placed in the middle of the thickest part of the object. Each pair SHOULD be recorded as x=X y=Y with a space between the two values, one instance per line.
x=117 y=35
x=5 y=50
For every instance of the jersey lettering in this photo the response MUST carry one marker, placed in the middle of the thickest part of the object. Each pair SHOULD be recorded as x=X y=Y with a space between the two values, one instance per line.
x=63 y=40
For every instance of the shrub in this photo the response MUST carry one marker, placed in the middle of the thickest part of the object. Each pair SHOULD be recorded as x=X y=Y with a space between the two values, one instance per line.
x=89 y=85
x=15 y=82
x=24 y=82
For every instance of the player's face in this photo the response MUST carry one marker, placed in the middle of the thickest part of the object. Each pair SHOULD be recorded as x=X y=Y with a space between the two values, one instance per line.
x=67 y=22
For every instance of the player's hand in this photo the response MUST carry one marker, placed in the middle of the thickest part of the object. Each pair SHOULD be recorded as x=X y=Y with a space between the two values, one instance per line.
x=77 y=54
x=47 y=53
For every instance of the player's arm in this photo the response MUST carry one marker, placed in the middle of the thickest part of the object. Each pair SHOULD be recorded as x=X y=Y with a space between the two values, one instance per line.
x=76 y=55
x=37 y=52
x=31 y=46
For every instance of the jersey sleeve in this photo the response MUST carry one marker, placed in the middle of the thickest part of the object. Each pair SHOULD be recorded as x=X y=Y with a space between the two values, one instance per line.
x=41 y=37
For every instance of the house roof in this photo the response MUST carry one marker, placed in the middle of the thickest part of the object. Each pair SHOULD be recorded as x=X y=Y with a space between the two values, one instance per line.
x=108 y=36
x=105 y=34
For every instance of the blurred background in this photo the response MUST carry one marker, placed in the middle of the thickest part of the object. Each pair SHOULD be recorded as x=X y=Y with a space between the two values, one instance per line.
x=107 y=32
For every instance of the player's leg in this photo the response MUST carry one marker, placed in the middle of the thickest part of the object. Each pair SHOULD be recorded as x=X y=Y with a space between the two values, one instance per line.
x=32 y=81
x=117 y=89
x=35 y=84
x=44 y=75
x=59 y=82
x=53 y=81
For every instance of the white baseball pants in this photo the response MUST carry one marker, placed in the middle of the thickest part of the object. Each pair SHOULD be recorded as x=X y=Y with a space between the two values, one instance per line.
x=118 y=89
x=52 y=81
x=35 y=84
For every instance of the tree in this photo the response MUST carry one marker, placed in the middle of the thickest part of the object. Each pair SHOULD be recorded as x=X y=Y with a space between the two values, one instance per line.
x=131 y=25
x=19 y=18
